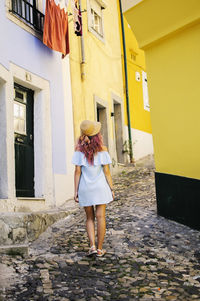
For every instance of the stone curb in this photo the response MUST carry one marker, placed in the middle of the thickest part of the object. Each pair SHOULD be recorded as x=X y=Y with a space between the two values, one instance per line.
x=15 y=250
x=17 y=230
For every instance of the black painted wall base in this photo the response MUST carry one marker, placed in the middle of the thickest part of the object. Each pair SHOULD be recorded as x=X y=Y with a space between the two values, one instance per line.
x=178 y=198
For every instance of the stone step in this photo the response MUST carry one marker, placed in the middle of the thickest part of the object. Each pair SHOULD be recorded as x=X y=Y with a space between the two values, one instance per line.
x=15 y=249
x=21 y=228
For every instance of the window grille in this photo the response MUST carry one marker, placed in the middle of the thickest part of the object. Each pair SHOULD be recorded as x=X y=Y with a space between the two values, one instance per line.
x=29 y=13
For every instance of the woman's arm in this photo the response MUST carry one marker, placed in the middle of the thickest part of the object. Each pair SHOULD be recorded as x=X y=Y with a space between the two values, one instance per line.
x=77 y=174
x=106 y=170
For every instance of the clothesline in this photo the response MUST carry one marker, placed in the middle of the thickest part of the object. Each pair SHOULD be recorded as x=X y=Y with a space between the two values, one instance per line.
x=82 y=11
x=76 y=13
x=61 y=1
x=56 y=33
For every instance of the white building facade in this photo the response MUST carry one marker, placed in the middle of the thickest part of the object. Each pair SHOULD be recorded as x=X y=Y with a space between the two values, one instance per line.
x=36 y=120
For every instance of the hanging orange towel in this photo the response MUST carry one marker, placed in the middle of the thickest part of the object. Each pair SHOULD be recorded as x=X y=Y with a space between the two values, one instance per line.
x=55 y=34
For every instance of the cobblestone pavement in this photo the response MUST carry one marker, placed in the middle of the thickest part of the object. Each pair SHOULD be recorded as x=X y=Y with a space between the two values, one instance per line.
x=148 y=257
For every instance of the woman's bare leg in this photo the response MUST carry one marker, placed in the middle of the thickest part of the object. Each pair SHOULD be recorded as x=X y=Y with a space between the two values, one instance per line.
x=101 y=224
x=90 y=224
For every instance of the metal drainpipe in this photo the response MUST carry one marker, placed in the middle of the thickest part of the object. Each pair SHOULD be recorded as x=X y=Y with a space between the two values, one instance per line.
x=126 y=84
x=82 y=52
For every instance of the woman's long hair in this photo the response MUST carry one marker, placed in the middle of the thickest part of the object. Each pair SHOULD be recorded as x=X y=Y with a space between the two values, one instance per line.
x=90 y=145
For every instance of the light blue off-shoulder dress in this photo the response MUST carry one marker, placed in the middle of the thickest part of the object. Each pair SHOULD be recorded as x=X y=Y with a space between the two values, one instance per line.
x=93 y=187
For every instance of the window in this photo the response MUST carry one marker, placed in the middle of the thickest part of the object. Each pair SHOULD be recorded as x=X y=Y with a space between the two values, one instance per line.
x=96 y=22
x=20 y=112
x=95 y=18
x=145 y=91
x=133 y=56
x=27 y=11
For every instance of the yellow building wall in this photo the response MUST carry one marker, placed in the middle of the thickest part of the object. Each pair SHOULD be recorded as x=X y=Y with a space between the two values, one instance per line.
x=140 y=118
x=172 y=51
x=103 y=72
x=175 y=100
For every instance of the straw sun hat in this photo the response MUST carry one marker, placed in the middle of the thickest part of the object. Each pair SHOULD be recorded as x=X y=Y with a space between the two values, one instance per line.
x=90 y=128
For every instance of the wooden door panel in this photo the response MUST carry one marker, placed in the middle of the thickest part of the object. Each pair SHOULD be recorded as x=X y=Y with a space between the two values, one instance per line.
x=24 y=146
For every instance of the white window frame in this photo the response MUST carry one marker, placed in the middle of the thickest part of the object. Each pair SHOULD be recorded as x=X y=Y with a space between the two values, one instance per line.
x=102 y=5
x=21 y=132
x=20 y=22
x=21 y=103
x=145 y=91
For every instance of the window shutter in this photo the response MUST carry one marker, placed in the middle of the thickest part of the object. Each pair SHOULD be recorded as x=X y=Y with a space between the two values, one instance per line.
x=145 y=91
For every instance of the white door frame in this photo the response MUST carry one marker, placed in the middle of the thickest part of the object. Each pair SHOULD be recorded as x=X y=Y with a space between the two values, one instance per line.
x=44 y=186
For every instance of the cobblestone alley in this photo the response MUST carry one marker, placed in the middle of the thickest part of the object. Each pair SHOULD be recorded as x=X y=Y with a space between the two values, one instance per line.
x=148 y=257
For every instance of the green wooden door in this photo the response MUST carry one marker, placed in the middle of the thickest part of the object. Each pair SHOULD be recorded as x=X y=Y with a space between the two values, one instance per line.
x=24 y=146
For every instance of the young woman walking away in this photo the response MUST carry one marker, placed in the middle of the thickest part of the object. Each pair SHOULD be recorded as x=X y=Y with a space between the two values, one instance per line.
x=93 y=182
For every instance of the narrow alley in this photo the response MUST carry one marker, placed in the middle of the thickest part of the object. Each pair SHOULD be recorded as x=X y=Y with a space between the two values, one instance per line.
x=148 y=257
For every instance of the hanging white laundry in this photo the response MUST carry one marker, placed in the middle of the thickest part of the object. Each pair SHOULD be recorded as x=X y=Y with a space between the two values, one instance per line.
x=72 y=4
x=62 y=3
x=75 y=13
x=57 y=2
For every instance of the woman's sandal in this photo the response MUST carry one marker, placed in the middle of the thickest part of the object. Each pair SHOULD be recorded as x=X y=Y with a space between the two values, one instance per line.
x=92 y=251
x=101 y=253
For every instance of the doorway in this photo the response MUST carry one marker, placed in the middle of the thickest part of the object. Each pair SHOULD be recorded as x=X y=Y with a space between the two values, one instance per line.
x=24 y=141
x=118 y=132
x=102 y=117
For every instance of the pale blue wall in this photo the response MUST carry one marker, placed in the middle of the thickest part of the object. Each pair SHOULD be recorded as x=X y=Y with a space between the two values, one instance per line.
x=23 y=49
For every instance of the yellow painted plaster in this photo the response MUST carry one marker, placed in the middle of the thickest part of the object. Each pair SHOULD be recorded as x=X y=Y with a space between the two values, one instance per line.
x=103 y=72
x=140 y=118
x=173 y=66
x=154 y=20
